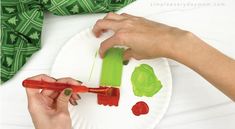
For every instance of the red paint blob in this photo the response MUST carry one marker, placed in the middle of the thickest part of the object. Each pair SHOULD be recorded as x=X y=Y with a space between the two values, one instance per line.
x=140 y=108
x=109 y=100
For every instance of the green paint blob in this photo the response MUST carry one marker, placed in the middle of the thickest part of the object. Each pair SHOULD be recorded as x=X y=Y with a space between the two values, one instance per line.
x=111 y=73
x=144 y=81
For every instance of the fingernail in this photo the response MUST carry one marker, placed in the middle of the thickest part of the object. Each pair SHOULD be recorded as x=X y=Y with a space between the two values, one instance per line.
x=75 y=102
x=79 y=97
x=125 y=62
x=79 y=81
x=54 y=78
x=67 y=92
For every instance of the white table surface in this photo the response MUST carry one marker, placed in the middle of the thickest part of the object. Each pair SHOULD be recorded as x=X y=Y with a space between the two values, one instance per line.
x=195 y=103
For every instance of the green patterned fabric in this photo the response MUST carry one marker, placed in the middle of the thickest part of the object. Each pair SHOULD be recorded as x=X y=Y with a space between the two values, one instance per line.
x=21 y=26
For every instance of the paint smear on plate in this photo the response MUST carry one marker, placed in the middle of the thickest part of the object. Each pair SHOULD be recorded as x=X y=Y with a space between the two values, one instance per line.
x=140 y=108
x=144 y=81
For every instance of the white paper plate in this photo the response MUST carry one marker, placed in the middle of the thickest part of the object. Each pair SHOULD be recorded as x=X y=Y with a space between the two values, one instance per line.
x=77 y=59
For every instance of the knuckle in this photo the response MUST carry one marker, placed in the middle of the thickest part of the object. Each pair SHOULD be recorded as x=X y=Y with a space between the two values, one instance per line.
x=138 y=18
x=62 y=115
x=62 y=99
x=120 y=35
x=110 y=14
x=123 y=14
x=128 y=23
x=42 y=75
x=69 y=78
x=99 y=22
x=66 y=79
x=187 y=33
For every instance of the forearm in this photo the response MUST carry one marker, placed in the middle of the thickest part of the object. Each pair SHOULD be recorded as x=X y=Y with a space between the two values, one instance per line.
x=214 y=66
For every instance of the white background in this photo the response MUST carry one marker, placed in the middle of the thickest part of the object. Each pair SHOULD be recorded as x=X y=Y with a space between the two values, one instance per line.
x=195 y=103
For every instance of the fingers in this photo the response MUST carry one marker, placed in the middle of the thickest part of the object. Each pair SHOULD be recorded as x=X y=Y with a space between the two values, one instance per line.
x=108 y=43
x=73 y=102
x=60 y=98
x=105 y=24
x=63 y=99
x=50 y=93
x=127 y=15
x=108 y=22
x=127 y=54
x=114 y=16
x=31 y=92
x=74 y=96
x=116 y=23
x=42 y=77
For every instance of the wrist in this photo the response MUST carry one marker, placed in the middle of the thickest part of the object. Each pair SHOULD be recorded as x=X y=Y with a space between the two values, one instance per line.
x=183 y=47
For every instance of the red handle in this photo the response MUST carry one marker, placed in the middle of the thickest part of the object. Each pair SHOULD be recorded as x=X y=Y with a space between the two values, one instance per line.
x=53 y=86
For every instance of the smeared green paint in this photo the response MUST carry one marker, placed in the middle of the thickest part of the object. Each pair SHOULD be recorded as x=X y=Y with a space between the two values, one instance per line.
x=111 y=73
x=144 y=81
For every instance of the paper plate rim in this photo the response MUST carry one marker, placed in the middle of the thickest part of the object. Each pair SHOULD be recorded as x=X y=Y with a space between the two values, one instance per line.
x=169 y=95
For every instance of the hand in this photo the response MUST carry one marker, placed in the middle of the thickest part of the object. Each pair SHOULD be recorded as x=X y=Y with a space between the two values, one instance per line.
x=145 y=39
x=49 y=109
x=148 y=39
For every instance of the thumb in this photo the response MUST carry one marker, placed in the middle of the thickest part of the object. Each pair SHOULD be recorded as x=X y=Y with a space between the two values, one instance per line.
x=106 y=44
x=63 y=99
